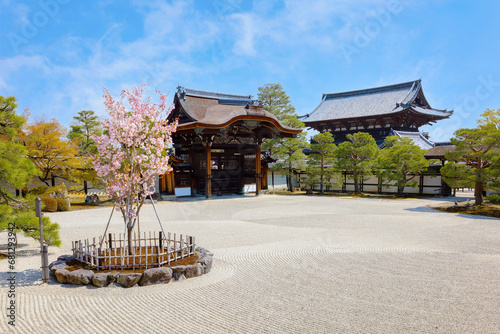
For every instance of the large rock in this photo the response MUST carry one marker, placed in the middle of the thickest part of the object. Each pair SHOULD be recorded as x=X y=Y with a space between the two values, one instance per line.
x=113 y=277
x=100 y=280
x=61 y=275
x=128 y=280
x=206 y=262
x=80 y=277
x=193 y=270
x=103 y=279
x=59 y=264
x=177 y=272
x=179 y=278
x=152 y=276
x=66 y=258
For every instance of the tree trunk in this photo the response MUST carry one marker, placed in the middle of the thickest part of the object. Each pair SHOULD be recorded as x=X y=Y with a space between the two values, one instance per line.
x=400 y=190
x=356 y=184
x=321 y=176
x=478 y=193
x=290 y=185
x=85 y=187
x=272 y=178
x=129 y=237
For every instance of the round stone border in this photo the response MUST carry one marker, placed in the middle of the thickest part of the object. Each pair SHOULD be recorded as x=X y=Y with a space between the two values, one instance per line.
x=158 y=275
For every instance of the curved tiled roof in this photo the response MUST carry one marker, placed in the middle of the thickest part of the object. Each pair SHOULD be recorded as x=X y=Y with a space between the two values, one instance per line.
x=375 y=102
x=213 y=110
x=417 y=137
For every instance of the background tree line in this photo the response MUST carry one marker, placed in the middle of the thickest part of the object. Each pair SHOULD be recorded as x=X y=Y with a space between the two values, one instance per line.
x=475 y=162
x=45 y=150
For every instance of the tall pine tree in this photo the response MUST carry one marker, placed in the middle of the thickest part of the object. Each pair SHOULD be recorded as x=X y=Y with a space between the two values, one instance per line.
x=288 y=150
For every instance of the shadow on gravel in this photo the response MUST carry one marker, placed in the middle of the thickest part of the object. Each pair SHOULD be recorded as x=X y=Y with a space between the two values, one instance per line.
x=422 y=209
x=28 y=277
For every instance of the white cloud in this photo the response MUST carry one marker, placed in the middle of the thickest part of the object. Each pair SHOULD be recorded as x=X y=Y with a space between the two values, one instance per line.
x=10 y=66
x=323 y=25
x=245 y=28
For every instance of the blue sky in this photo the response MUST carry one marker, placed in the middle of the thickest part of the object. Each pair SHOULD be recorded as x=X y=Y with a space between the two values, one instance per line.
x=56 y=56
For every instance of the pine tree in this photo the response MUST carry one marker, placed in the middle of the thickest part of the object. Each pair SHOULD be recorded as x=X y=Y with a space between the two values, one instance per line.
x=321 y=161
x=357 y=156
x=16 y=170
x=474 y=162
x=277 y=102
x=401 y=160
x=83 y=130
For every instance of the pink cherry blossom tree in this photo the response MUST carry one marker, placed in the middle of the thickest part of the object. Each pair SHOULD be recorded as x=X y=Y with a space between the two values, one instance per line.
x=132 y=150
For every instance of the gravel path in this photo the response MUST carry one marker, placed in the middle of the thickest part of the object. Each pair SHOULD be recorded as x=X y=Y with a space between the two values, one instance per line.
x=284 y=264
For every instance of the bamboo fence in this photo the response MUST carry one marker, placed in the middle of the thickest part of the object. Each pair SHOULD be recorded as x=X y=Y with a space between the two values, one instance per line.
x=149 y=250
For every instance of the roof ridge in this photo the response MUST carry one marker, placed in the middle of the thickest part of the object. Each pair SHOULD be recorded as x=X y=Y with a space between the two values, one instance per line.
x=427 y=140
x=372 y=90
x=411 y=93
x=213 y=95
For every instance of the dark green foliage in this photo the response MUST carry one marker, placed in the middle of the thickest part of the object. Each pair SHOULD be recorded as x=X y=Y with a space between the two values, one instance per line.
x=401 y=161
x=10 y=122
x=38 y=190
x=62 y=204
x=16 y=170
x=288 y=150
x=25 y=221
x=321 y=164
x=86 y=125
x=493 y=198
x=357 y=156
x=475 y=161
x=49 y=204
x=276 y=101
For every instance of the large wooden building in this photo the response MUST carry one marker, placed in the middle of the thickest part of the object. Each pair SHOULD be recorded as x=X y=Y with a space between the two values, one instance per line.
x=217 y=145
x=399 y=109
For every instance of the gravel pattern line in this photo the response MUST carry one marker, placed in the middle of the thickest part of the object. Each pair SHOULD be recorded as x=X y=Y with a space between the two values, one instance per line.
x=284 y=264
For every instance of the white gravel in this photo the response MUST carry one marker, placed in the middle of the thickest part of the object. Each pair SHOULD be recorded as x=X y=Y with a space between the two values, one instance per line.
x=283 y=264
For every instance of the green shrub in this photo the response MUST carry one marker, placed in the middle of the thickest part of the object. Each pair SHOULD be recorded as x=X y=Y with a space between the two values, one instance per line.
x=49 y=204
x=62 y=204
x=493 y=198
x=38 y=190
x=59 y=191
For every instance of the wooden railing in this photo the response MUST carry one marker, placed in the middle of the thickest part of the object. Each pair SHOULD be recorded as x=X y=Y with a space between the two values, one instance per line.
x=148 y=251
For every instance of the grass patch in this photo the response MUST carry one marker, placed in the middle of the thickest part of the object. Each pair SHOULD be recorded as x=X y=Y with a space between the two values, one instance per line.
x=78 y=202
x=353 y=194
x=487 y=210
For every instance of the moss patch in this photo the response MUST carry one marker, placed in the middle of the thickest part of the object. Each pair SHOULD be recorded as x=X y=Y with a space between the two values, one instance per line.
x=78 y=202
x=487 y=210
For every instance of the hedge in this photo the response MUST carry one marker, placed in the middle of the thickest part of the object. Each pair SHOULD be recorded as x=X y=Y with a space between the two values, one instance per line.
x=49 y=204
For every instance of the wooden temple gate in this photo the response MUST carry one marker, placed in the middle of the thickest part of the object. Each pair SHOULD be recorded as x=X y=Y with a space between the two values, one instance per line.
x=218 y=143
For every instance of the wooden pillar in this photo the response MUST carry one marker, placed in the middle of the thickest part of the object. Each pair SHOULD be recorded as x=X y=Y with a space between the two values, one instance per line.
x=191 y=161
x=208 y=175
x=344 y=184
x=258 y=170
